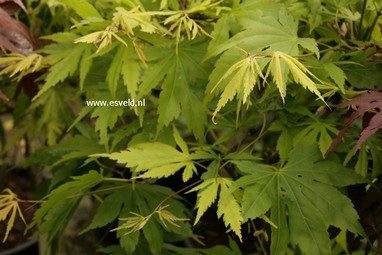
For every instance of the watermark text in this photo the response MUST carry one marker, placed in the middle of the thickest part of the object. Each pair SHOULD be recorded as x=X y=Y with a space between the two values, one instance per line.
x=116 y=103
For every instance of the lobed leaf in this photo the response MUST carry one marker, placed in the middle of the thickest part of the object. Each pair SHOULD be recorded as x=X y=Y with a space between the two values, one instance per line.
x=229 y=208
x=302 y=199
x=365 y=103
x=155 y=160
x=56 y=211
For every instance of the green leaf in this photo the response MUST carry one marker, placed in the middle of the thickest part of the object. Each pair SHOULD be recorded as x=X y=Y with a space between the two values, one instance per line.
x=56 y=211
x=85 y=65
x=233 y=249
x=141 y=200
x=113 y=250
x=106 y=116
x=54 y=114
x=248 y=72
x=83 y=8
x=180 y=74
x=75 y=147
x=126 y=64
x=104 y=215
x=64 y=59
x=274 y=34
x=302 y=199
x=285 y=140
x=336 y=74
x=229 y=208
x=265 y=37
x=317 y=130
x=208 y=192
x=155 y=160
x=222 y=29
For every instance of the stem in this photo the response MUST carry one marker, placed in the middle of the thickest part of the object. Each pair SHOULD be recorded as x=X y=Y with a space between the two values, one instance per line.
x=361 y=20
x=260 y=240
x=261 y=133
x=371 y=28
x=30 y=201
x=201 y=165
x=116 y=179
x=177 y=192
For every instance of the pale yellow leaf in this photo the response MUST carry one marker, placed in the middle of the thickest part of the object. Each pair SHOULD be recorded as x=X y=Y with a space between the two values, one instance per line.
x=94 y=37
x=206 y=197
x=298 y=71
x=232 y=88
x=179 y=141
x=189 y=171
x=229 y=208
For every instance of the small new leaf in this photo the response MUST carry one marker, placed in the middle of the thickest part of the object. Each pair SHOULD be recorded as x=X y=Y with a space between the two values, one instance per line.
x=247 y=73
x=167 y=216
x=9 y=207
x=129 y=20
x=137 y=222
x=18 y=63
x=134 y=223
x=299 y=72
x=104 y=38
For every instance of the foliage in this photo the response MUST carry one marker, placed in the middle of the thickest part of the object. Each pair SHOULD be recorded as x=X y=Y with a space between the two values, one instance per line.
x=169 y=113
x=9 y=209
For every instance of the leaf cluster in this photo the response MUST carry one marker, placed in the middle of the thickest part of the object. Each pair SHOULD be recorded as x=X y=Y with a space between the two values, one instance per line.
x=243 y=101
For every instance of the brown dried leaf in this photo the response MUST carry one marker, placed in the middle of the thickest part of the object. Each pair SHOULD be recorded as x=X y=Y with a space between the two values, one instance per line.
x=14 y=36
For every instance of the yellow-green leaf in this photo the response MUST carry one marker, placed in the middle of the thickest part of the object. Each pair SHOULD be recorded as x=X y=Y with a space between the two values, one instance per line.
x=207 y=194
x=154 y=160
x=9 y=208
x=229 y=208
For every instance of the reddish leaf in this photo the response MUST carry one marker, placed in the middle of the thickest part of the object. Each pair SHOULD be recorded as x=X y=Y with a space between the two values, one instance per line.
x=11 y=6
x=29 y=85
x=369 y=106
x=14 y=35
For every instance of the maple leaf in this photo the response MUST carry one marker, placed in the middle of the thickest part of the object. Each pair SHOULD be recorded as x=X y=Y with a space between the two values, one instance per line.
x=83 y=8
x=61 y=202
x=130 y=203
x=228 y=207
x=9 y=207
x=369 y=107
x=269 y=41
x=158 y=160
x=18 y=63
x=247 y=72
x=301 y=197
x=178 y=75
x=64 y=59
